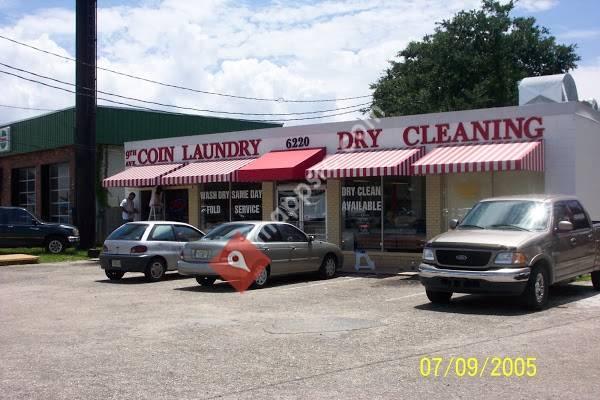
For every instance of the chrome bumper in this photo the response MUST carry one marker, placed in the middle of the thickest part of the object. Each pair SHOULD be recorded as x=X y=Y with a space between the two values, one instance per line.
x=504 y=275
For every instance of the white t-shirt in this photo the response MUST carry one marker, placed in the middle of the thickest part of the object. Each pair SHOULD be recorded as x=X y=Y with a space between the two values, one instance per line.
x=155 y=199
x=127 y=205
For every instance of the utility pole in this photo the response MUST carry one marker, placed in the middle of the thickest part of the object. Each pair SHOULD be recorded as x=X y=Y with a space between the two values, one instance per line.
x=85 y=121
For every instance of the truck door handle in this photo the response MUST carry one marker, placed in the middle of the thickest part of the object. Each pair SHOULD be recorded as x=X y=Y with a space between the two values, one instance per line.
x=293 y=248
x=264 y=248
x=573 y=241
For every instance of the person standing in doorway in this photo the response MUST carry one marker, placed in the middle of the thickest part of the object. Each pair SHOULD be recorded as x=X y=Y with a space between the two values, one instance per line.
x=156 y=204
x=128 y=208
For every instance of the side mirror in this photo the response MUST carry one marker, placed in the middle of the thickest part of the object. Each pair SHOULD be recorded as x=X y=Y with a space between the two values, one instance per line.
x=453 y=223
x=311 y=238
x=565 y=226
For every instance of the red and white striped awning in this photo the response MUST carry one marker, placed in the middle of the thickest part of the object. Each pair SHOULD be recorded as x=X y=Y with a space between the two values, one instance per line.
x=148 y=175
x=204 y=172
x=525 y=156
x=391 y=162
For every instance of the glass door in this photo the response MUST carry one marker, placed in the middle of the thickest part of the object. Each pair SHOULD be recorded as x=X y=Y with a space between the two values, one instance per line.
x=314 y=214
x=308 y=213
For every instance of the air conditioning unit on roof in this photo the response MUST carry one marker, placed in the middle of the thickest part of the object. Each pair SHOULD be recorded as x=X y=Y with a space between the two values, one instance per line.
x=547 y=89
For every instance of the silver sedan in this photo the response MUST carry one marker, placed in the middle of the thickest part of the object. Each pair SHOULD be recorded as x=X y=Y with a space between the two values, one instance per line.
x=150 y=247
x=289 y=251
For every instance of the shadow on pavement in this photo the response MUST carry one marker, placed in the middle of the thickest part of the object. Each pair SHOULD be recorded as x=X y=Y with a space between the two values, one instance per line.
x=560 y=296
x=224 y=287
x=136 y=278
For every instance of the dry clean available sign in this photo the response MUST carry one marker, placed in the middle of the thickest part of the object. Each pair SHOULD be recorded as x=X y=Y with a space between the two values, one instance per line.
x=4 y=139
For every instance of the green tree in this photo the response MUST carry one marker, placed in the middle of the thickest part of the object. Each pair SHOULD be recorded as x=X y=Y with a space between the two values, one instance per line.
x=473 y=60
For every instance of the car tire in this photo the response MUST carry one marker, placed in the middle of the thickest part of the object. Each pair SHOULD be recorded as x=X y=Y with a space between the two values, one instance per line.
x=55 y=245
x=596 y=280
x=328 y=267
x=438 y=297
x=114 y=275
x=206 y=280
x=155 y=270
x=262 y=279
x=536 y=293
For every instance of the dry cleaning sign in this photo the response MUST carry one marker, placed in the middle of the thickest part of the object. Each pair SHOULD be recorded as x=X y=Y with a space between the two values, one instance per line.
x=5 y=139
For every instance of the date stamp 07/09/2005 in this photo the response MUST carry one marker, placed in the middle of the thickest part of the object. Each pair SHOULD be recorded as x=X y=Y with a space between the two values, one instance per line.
x=474 y=367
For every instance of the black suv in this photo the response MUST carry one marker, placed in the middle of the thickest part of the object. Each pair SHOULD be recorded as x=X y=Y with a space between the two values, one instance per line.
x=19 y=228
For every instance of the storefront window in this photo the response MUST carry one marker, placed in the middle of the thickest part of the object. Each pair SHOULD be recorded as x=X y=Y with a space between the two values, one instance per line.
x=176 y=205
x=60 y=203
x=26 y=188
x=404 y=213
x=396 y=202
x=214 y=204
x=361 y=214
x=246 y=201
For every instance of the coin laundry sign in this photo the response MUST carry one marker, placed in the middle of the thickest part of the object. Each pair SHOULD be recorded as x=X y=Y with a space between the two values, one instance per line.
x=5 y=139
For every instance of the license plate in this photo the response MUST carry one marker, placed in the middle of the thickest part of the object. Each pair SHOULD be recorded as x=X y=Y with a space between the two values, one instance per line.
x=115 y=263
x=201 y=254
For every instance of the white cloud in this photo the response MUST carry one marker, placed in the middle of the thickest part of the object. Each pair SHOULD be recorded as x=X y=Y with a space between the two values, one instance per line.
x=579 y=34
x=587 y=79
x=537 y=5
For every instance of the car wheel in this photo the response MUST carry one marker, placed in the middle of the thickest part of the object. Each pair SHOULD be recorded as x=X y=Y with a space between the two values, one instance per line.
x=328 y=267
x=438 y=297
x=155 y=271
x=55 y=245
x=114 y=275
x=596 y=279
x=535 y=295
x=206 y=280
x=262 y=279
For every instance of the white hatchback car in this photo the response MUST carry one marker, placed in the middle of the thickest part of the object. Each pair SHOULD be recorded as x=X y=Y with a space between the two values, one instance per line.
x=150 y=247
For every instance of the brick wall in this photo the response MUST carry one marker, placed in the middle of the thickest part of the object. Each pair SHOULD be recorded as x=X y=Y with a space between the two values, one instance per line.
x=36 y=159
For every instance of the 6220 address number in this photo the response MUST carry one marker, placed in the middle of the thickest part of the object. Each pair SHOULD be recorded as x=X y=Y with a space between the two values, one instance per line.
x=296 y=142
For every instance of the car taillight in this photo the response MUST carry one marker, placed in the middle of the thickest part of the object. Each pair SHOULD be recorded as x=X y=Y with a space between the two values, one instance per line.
x=105 y=249
x=181 y=255
x=138 y=249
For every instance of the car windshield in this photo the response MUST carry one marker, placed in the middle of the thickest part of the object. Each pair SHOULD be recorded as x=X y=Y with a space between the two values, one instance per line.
x=227 y=231
x=522 y=215
x=128 y=232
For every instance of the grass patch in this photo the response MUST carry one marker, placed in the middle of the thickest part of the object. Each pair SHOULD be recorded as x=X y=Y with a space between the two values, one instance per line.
x=45 y=257
x=584 y=278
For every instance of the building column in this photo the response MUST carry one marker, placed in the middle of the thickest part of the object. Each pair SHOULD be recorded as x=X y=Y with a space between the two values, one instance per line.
x=268 y=200
x=194 y=205
x=334 y=203
x=433 y=205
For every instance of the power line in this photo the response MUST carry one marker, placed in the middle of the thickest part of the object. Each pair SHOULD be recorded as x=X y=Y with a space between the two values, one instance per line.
x=170 y=85
x=26 y=108
x=169 y=112
x=187 y=108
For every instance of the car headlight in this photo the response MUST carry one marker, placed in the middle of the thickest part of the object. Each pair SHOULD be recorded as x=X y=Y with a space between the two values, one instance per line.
x=428 y=254
x=510 y=258
x=75 y=232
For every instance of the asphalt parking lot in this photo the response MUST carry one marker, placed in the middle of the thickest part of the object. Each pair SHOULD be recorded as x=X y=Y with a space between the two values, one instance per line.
x=67 y=332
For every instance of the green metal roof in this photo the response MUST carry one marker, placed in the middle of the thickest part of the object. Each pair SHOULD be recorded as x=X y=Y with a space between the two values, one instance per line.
x=115 y=126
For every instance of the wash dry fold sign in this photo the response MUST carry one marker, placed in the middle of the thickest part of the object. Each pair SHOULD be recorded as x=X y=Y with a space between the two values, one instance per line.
x=5 y=139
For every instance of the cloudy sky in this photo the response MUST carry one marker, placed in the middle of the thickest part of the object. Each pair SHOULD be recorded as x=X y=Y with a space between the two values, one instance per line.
x=293 y=50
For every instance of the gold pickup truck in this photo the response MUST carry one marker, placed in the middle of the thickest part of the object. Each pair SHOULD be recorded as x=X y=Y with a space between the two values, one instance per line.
x=514 y=246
